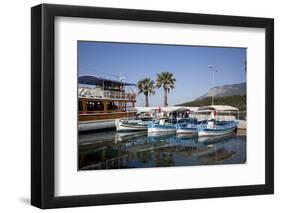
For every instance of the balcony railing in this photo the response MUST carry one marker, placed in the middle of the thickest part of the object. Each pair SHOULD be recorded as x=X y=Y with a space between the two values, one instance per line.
x=104 y=94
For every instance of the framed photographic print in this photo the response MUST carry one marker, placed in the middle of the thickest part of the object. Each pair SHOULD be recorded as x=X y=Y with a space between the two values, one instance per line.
x=139 y=106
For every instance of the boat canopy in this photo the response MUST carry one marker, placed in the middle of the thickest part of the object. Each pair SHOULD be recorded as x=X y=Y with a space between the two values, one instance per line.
x=95 y=80
x=217 y=108
x=166 y=109
x=190 y=108
x=177 y=109
x=146 y=109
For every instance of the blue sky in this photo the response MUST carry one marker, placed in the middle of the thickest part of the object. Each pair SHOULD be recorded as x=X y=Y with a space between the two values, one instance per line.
x=189 y=64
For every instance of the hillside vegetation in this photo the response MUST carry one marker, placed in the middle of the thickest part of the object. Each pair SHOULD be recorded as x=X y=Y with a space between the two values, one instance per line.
x=238 y=101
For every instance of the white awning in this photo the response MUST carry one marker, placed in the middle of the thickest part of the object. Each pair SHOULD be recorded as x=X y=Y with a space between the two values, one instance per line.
x=218 y=108
x=146 y=109
x=167 y=109
x=178 y=109
x=190 y=108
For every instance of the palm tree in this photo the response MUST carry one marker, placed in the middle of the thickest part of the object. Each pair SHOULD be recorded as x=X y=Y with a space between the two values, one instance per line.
x=167 y=81
x=146 y=86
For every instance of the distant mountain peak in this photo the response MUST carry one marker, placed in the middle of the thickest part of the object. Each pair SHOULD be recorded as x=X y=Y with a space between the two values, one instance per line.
x=225 y=90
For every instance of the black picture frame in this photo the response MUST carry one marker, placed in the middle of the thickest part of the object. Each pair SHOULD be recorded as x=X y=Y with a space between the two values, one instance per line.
x=43 y=111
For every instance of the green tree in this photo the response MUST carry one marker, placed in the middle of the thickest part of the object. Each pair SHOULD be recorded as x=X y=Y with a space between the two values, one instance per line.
x=167 y=81
x=146 y=86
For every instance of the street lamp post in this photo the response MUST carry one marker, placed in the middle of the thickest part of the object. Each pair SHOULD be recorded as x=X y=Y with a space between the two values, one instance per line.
x=213 y=82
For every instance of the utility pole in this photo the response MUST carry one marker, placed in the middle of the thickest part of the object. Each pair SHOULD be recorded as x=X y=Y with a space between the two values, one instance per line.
x=213 y=81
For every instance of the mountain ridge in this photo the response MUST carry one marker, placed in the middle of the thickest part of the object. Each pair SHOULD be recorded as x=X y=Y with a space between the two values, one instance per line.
x=225 y=90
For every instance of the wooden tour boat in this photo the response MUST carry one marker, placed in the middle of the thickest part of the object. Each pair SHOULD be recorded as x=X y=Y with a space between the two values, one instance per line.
x=101 y=101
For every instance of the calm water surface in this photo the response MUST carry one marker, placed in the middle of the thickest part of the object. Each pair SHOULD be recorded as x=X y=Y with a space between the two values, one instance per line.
x=112 y=150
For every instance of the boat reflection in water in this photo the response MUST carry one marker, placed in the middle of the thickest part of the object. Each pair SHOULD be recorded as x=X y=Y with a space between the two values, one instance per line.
x=114 y=150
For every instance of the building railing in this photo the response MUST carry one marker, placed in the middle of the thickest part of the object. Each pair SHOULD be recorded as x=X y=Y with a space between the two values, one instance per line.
x=105 y=94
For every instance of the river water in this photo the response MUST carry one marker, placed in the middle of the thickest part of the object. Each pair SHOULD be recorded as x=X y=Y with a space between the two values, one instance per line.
x=112 y=150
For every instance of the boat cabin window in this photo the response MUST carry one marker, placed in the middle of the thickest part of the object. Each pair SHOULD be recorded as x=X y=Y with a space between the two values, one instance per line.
x=80 y=106
x=113 y=87
x=94 y=106
x=112 y=106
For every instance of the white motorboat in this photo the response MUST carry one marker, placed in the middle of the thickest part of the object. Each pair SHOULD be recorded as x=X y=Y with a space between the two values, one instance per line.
x=130 y=125
x=218 y=124
x=169 y=123
x=162 y=125
x=187 y=126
